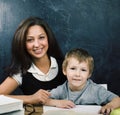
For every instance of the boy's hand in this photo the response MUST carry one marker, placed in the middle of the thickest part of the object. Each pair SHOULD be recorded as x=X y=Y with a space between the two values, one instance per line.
x=60 y=103
x=115 y=103
x=106 y=109
x=65 y=104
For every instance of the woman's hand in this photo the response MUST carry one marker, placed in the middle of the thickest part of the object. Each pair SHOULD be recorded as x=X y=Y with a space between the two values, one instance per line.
x=40 y=97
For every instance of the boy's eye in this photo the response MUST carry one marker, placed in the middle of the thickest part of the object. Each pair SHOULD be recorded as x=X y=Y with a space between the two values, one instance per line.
x=83 y=69
x=72 y=68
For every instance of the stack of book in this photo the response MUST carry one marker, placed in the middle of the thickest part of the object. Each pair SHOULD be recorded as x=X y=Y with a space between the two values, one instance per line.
x=11 y=106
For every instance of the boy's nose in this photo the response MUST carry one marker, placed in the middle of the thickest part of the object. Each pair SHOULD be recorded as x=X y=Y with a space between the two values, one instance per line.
x=78 y=73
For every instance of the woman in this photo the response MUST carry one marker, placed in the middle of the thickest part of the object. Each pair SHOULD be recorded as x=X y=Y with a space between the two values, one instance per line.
x=36 y=62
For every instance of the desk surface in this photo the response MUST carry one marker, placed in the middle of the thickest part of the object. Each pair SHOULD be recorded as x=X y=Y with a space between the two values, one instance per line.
x=39 y=111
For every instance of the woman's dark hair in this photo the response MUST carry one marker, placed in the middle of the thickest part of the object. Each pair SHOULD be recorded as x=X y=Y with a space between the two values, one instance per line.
x=21 y=60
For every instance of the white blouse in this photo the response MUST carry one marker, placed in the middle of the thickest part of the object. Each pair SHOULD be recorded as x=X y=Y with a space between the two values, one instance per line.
x=52 y=73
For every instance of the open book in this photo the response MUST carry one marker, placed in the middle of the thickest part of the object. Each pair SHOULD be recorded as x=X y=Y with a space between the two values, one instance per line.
x=8 y=104
x=78 y=110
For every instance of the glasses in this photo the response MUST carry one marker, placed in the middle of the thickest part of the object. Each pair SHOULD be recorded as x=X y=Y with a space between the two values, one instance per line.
x=33 y=109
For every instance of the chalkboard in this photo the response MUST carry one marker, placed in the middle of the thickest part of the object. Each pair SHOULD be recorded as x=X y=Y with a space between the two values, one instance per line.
x=90 y=24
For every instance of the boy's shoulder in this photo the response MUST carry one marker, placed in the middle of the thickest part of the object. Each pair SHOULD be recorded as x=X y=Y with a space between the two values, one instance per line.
x=92 y=84
x=61 y=87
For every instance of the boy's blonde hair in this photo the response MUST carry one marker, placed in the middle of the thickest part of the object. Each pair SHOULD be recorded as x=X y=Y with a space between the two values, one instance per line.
x=81 y=55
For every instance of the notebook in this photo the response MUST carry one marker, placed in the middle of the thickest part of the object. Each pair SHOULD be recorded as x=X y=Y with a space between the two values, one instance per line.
x=18 y=112
x=8 y=104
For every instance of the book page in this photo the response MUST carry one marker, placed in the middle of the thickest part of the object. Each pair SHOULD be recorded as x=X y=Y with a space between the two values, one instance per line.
x=8 y=100
x=84 y=109
x=8 y=104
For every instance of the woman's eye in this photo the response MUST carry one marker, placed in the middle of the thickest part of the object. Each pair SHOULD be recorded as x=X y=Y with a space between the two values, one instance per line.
x=41 y=37
x=29 y=40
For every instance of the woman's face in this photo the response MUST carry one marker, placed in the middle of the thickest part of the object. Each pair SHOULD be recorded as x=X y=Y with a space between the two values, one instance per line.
x=37 y=42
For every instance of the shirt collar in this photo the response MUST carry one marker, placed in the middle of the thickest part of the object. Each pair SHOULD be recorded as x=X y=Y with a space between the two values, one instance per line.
x=34 y=69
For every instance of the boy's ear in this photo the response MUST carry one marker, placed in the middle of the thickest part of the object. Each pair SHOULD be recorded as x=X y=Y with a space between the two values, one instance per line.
x=89 y=76
x=64 y=72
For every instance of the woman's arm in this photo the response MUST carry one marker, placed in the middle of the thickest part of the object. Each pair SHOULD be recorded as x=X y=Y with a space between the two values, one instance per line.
x=40 y=97
x=9 y=85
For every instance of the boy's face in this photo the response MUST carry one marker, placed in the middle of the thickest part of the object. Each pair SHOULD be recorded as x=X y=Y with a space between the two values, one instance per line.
x=77 y=73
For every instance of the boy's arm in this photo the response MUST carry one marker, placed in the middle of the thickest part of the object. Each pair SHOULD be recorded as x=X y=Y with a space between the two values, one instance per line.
x=115 y=103
x=60 y=103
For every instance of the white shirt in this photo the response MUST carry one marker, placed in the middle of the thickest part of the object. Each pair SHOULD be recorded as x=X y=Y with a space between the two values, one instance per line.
x=51 y=74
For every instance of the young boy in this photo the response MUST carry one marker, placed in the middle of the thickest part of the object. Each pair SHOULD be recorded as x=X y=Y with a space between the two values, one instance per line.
x=79 y=89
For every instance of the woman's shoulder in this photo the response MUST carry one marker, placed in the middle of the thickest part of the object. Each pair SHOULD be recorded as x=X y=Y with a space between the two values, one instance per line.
x=18 y=78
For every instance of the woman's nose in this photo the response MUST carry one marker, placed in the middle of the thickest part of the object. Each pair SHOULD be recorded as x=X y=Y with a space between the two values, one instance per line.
x=36 y=43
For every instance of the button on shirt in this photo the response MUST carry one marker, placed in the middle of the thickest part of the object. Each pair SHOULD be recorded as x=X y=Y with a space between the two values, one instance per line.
x=53 y=71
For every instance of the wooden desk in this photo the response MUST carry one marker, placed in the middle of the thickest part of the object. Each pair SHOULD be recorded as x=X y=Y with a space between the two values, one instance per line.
x=38 y=110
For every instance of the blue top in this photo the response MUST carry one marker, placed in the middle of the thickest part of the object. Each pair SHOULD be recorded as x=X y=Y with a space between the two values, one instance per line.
x=91 y=94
